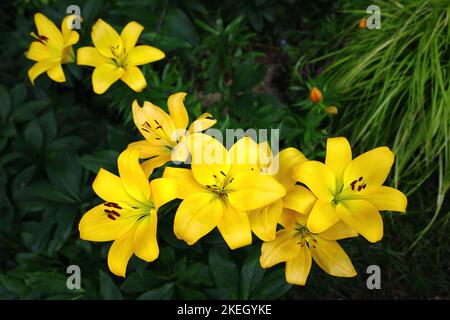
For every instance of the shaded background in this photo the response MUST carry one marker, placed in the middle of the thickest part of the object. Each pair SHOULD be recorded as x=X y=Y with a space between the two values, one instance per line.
x=251 y=64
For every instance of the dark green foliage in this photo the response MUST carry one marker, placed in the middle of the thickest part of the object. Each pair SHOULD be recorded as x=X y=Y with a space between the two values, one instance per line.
x=240 y=60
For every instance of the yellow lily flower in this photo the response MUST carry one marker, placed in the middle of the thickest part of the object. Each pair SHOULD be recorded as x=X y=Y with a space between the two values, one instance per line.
x=264 y=221
x=117 y=56
x=51 y=48
x=219 y=190
x=298 y=246
x=350 y=190
x=165 y=134
x=129 y=214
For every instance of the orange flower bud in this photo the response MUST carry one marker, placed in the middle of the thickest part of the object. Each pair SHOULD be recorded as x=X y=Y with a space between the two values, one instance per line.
x=362 y=23
x=315 y=95
x=331 y=110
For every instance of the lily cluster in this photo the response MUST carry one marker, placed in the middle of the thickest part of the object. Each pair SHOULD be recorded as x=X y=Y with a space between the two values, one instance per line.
x=114 y=57
x=298 y=207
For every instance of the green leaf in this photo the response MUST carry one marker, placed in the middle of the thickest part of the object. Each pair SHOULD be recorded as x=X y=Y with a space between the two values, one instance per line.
x=273 y=286
x=33 y=135
x=164 y=292
x=166 y=43
x=18 y=94
x=224 y=271
x=28 y=110
x=106 y=159
x=140 y=283
x=190 y=293
x=118 y=139
x=196 y=273
x=108 y=290
x=48 y=124
x=90 y=11
x=167 y=257
x=248 y=75
x=5 y=103
x=47 y=282
x=251 y=274
x=64 y=172
x=12 y=283
x=177 y=24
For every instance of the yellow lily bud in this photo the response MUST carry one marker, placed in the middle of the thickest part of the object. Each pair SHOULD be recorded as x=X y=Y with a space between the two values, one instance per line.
x=331 y=110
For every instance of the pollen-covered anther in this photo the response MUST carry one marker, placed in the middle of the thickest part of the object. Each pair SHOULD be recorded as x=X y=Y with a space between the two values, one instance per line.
x=362 y=185
x=113 y=212
x=112 y=205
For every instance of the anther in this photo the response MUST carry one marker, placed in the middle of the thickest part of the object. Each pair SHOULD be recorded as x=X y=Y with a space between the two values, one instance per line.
x=223 y=173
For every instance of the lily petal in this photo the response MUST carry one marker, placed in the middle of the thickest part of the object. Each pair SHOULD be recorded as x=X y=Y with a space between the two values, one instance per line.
x=150 y=165
x=130 y=35
x=244 y=155
x=283 y=164
x=109 y=187
x=196 y=216
x=264 y=221
x=282 y=249
x=104 y=76
x=106 y=40
x=362 y=216
x=297 y=269
x=70 y=37
x=120 y=253
x=47 y=28
x=153 y=123
x=134 y=78
x=148 y=150
x=235 y=227
x=95 y=225
x=177 y=110
x=39 y=52
x=339 y=156
x=249 y=190
x=318 y=178
x=204 y=122
x=40 y=67
x=163 y=191
x=323 y=215
x=299 y=199
x=339 y=230
x=288 y=219
x=56 y=73
x=143 y=54
x=185 y=181
x=89 y=56
x=332 y=258
x=373 y=167
x=210 y=159
x=145 y=244
x=133 y=177
x=180 y=153
x=387 y=198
